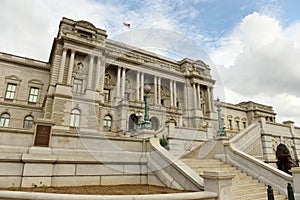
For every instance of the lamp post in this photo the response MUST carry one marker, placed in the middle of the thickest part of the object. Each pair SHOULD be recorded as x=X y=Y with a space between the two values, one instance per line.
x=221 y=131
x=147 y=123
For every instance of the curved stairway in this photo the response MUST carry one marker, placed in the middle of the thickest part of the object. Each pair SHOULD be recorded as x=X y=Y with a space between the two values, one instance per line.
x=244 y=187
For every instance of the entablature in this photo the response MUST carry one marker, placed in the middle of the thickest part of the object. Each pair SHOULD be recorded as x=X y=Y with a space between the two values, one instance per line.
x=24 y=61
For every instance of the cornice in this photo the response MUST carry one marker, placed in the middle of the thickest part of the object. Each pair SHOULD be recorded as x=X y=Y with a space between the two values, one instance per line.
x=28 y=62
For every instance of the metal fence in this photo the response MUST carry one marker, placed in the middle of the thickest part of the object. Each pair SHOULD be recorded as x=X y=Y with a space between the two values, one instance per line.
x=290 y=192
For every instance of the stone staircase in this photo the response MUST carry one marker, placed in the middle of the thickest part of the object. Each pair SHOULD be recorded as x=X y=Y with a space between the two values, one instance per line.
x=244 y=187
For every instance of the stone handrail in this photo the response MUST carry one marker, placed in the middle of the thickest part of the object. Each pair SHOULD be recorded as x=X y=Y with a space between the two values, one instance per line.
x=170 y=170
x=245 y=138
x=50 y=196
x=258 y=169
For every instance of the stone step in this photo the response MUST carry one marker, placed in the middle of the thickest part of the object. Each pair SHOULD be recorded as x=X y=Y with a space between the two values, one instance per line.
x=244 y=187
x=258 y=195
x=247 y=185
x=277 y=197
x=241 y=192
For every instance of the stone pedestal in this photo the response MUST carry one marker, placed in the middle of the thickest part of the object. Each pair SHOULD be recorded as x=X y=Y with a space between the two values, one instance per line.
x=220 y=147
x=145 y=133
x=296 y=181
x=220 y=183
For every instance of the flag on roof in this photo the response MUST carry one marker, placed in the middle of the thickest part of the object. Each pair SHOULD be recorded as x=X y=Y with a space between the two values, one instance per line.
x=126 y=24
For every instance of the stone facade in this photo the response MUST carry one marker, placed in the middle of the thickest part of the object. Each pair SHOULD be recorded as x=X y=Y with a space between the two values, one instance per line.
x=89 y=94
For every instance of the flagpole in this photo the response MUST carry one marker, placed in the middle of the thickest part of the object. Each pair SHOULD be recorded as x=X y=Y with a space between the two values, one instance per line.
x=129 y=34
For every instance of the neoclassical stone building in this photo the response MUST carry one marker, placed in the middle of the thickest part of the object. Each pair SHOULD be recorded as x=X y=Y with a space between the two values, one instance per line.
x=96 y=83
x=91 y=90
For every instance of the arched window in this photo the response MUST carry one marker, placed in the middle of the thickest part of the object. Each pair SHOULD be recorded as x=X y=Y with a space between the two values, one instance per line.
x=75 y=118
x=155 y=123
x=132 y=122
x=4 y=119
x=28 y=122
x=107 y=123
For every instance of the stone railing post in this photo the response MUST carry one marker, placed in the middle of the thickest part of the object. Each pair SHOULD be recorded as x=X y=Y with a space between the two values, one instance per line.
x=296 y=181
x=218 y=182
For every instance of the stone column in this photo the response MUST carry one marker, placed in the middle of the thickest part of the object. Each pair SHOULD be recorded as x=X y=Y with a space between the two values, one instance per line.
x=98 y=71
x=185 y=99
x=102 y=75
x=171 y=93
x=62 y=66
x=296 y=182
x=70 y=71
x=138 y=86
x=159 y=86
x=212 y=104
x=90 y=72
x=198 y=95
x=195 y=95
x=142 y=86
x=123 y=83
x=175 y=94
x=155 y=90
x=118 y=81
x=209 y=93
x=219 y=182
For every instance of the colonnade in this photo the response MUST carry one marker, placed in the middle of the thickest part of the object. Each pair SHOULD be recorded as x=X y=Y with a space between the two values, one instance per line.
x=198 y=100
x=98 y=68
x=140 y=81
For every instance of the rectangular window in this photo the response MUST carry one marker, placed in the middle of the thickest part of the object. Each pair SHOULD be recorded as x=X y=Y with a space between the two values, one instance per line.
x=10 y=91
x=33 y=95
x=77 y=86
x=238 y=125
x=230 y=124
x=106 y=95
x=245 y=125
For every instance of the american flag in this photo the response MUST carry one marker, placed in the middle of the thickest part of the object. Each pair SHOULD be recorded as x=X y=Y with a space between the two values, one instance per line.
x=126 y=24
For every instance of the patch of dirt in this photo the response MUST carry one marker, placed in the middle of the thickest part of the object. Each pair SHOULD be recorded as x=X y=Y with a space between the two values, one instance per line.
x=101 y=190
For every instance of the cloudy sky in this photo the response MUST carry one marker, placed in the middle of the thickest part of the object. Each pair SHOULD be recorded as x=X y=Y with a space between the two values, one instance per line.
x=253 y=46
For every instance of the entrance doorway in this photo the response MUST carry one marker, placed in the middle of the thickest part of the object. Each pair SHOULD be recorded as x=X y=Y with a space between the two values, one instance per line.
x=132 y=122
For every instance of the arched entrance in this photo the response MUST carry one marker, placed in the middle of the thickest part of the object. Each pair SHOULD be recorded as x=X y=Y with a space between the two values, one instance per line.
x=132 y=122
x=284 y=159
x=155 y=123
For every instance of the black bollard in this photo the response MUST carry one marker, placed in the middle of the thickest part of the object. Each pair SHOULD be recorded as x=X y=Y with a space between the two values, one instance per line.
x=290 y=192
x=270 y=193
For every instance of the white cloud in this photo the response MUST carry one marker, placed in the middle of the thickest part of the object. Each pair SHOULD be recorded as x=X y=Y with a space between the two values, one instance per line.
x=262 y=63
x=30 y=26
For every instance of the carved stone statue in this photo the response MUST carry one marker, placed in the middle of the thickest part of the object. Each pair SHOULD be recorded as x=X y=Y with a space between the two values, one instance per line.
x=284 y=159
x=78 y=69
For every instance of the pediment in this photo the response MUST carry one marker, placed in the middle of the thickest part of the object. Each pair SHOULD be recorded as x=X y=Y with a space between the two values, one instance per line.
x=13 y=77
x=85 y=24
x=35 y=81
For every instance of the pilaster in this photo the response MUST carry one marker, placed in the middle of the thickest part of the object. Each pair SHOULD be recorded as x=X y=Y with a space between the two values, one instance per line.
x=70 y=70
x=62 y=66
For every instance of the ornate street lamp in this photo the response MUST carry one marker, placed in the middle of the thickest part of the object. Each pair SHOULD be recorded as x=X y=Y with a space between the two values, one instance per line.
x=147 y=123
x=221 y=131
